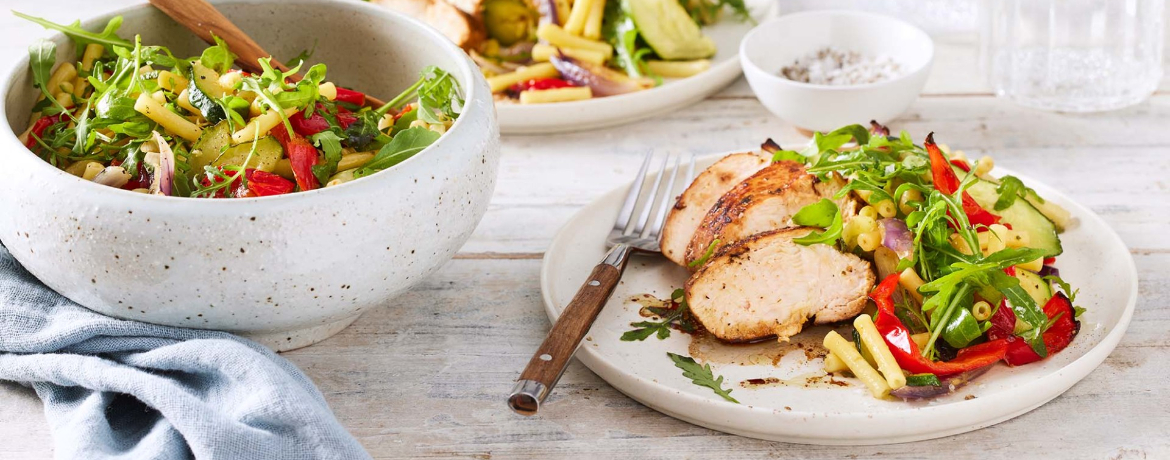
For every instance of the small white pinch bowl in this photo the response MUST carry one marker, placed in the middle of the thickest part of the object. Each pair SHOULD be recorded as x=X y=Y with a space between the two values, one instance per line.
x=288 y=270
x=779 y=42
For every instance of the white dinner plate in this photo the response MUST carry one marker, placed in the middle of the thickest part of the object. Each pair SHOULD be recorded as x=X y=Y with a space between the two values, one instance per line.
x=615 y=110
x=811 y=410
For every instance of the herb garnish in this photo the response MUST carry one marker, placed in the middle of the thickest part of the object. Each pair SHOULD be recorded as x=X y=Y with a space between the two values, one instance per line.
x=671 y=318
x=701 y=375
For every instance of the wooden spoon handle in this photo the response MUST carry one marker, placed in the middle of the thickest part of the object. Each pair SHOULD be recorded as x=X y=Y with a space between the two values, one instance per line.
x=550 y=360
x=204 y=20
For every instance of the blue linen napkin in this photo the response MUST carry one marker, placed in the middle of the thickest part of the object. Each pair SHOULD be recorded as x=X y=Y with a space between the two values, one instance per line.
x=128 y=390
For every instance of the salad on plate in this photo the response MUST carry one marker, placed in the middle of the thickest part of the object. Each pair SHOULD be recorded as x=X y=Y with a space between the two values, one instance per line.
x=544 y=51
x=942 y=269
x=137 y=117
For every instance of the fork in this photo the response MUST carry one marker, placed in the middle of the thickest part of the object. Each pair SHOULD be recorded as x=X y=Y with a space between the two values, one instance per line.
x=628 y=237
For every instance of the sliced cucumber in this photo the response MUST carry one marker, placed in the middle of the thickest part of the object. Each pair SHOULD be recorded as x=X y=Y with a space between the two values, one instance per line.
x=203 y=92
x=268 y=152
x=669 y=30
x=1022 y=216
x=1036 y=286
x=210 y=145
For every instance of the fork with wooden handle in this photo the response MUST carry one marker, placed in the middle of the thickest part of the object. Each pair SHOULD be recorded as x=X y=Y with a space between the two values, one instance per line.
x=627 y=237
x=204 y=20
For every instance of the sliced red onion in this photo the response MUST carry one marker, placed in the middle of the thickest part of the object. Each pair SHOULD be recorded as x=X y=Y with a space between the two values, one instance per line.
x=1049 y=270
x=602 y=80
x=897 y=237
x=949 y=385
x=113 y=176
x=489 y=65
x=164 y=182
x=521 y=51
x=877 y=129
x=548 y=12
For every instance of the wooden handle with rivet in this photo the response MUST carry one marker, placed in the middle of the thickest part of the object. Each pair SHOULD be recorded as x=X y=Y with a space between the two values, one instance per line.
x=550 y=360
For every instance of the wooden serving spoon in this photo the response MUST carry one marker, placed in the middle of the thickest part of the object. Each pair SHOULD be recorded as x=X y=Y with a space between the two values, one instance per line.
x=204 y=20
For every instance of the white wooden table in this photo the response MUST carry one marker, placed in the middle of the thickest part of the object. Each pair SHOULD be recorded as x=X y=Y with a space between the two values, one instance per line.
x=427 y=375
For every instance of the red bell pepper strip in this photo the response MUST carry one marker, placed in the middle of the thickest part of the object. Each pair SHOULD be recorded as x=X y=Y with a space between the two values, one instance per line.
x=961 y=164
x=308 y=126
x=345 y=118
x=946 y=181
x=350 y=96
x=1003 y=322
x=540 y=84
x=301 y=155
x=906 y=352
x=262 y=183
x=1064 y=327
x=39 y=127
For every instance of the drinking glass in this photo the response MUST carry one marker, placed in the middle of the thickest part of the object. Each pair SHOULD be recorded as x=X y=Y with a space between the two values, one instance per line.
x=1072 y=55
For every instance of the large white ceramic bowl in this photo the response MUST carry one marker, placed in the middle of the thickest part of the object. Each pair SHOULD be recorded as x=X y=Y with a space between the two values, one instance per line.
x=286 y=270
x=779 y=42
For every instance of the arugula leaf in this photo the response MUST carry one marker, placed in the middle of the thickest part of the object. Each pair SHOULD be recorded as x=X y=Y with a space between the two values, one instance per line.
x=1009 y=189
x=304 y=55
x=306 y=91
x=42 y=54
x=671 y=317
x=403 y=146
x=822 y=214
x=108 y=37
x=330 y=143
x=439 y=99
x=701 y=375
x=219 y=57
x=619 y=30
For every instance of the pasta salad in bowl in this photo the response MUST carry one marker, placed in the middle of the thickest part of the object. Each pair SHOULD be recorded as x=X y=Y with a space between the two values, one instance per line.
x=153 y=181
x=136 y=117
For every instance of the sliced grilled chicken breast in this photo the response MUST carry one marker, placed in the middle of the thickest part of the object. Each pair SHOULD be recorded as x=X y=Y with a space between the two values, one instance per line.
x=767 y=285
x=763 y=202
x=461 y=27
x=693 y=204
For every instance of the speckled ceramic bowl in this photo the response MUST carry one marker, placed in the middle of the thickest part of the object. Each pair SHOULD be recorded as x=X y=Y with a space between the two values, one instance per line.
x=286 y=270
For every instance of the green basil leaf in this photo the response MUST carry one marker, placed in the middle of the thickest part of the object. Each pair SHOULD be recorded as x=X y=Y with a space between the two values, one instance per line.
x=403 y=146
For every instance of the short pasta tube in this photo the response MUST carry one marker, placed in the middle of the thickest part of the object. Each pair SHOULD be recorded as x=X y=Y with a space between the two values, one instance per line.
x=259 y=126
x=542 y=70
x=169 y=120
x=833 y=364
x=861 y=369
x=559 y=37
x=542 y=53
x=573 y=93
x=873 y=341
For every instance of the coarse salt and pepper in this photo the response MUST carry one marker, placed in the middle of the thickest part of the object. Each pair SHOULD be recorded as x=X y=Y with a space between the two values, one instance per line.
x=836 y=67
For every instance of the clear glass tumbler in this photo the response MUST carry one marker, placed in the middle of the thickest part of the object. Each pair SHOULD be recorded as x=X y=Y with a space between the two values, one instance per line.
x=1073 y=55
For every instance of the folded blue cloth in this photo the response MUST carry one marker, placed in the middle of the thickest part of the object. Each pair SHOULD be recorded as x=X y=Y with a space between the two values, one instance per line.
x=128 y=390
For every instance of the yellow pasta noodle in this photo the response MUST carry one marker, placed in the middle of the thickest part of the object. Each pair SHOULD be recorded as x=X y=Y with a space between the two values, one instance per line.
x=833 y=364
x=872 y=340
x=542 y=53
x=559 y=37
x=260 y=125
x=64 y=73
x=184 y=101
x=861 y=369
x=593 y=22
x=171 y=81
x=542 y=70
x=575 y=93
x=354 y=160
x=170 y=121
x=328 y=90
x=578 y=16
x=677 y=69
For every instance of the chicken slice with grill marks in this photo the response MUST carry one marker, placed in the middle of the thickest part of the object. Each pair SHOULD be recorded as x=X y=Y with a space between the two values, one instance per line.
x=763 y=202
x=693 y=204
x=769 y=286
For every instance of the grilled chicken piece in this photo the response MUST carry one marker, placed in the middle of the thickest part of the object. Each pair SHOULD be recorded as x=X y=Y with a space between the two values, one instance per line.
x=693 y=204
x=763 y=202
x=461 y=27
x=767 y=286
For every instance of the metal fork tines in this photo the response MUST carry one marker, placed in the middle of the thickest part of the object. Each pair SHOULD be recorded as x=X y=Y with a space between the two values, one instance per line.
x=637 y=233
x=629 y=235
